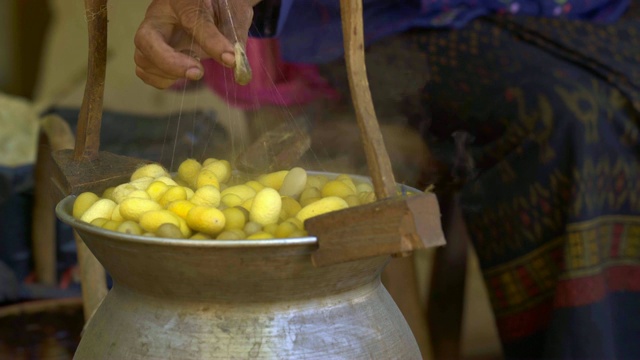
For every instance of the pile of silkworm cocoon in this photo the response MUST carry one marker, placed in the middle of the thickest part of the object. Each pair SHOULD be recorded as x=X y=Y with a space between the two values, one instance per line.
x=202 y=200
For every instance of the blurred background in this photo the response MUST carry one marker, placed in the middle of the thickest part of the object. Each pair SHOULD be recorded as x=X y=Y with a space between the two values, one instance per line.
x=22 y=32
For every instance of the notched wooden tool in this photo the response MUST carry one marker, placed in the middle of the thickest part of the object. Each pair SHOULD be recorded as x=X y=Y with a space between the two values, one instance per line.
x=73 y=177
x=393 y=225
x=85 y=168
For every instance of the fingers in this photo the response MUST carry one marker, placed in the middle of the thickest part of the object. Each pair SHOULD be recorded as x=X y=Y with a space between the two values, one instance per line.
x=158 y=64
x=242 y=15
x=210 y=33
x=216 y=25
x=196 y=18
x=154 y=80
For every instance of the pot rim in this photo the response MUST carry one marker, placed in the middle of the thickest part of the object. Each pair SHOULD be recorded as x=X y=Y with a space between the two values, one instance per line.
x=63 y=213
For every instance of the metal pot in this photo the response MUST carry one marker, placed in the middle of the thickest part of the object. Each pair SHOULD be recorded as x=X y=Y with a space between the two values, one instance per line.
x=212 y=299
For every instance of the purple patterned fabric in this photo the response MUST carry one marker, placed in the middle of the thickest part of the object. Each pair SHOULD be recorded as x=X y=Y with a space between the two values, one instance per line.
x=310 y=30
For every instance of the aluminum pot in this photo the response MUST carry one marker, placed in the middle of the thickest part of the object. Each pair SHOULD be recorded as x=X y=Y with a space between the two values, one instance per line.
x=243 y=299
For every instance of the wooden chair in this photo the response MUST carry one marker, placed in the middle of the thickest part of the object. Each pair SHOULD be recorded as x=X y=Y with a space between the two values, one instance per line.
x=446 y=292
x=56 y=135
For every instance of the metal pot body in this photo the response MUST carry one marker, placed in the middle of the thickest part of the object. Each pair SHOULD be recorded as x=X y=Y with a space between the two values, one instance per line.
x=249 y=299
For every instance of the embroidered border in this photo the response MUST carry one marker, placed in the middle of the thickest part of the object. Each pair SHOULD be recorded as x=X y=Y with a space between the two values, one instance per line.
x=593 y=258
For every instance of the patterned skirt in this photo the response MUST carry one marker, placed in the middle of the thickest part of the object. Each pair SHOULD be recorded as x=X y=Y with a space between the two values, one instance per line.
x=538 y=121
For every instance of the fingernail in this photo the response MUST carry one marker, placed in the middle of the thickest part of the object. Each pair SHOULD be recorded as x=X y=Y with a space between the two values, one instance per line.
x=228 y=59
x=194 y=74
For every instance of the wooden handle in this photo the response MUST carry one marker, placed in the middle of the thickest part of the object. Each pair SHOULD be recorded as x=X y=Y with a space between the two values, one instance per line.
x=90 y=118
x=93 y=279
x=92 y=274
x=377 y=157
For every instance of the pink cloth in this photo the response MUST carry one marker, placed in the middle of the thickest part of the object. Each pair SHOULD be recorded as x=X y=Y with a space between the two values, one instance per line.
x=274 y=81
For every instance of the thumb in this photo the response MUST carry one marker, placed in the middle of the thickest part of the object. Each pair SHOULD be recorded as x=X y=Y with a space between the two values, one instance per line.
x=235 y=19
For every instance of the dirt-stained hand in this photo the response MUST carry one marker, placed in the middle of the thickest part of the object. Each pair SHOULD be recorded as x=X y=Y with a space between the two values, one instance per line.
x=175 y=34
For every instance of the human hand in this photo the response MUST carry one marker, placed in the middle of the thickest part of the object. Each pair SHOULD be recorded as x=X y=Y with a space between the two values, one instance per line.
x=175 y=34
